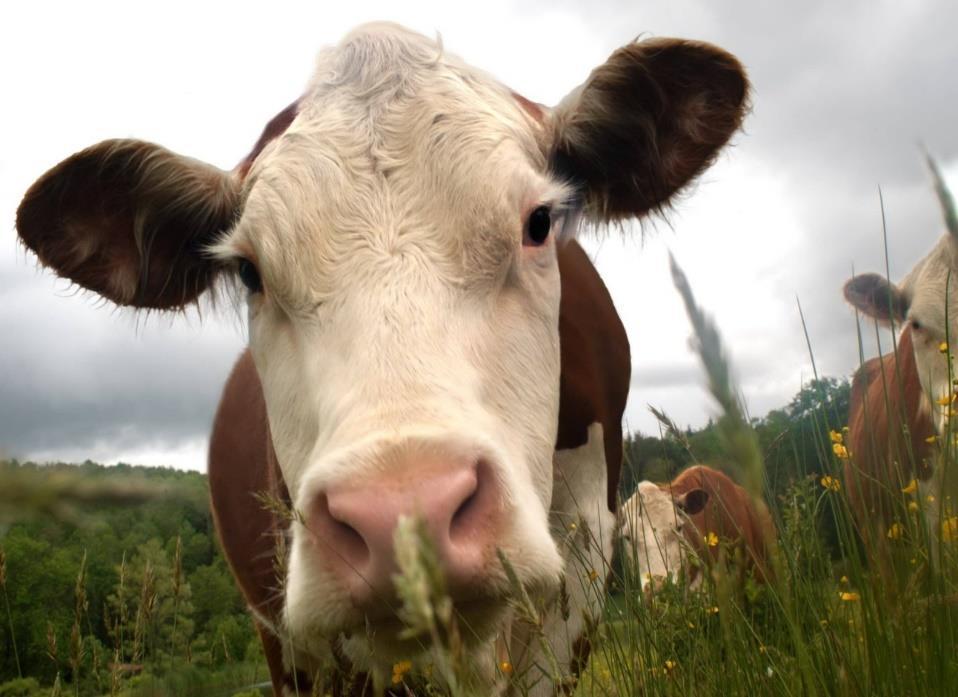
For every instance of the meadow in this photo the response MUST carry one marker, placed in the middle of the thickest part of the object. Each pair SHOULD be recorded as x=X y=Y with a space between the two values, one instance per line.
x=112 y=582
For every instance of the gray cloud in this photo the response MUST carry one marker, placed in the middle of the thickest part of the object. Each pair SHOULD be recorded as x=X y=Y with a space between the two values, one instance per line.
x=843 y=93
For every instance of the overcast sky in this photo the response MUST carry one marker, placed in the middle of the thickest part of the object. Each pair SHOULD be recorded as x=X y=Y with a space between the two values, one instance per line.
x=843 y=95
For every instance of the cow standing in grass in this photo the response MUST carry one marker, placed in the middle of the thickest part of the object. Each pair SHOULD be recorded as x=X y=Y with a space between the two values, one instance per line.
x=676 y=530
x=426 y=338
x=903 y=403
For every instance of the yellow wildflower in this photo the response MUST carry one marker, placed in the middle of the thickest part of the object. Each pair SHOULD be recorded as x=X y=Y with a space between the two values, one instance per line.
x=911 y=488
x=895 y=531
x=712 y=539
x=835 y=436
x=572 y=527
x=712 y=610
x=945 y=400
x=824 y=623
x=831 y=484
x=930 y=498
x=931 y=439
x=505 y=667
x=670 y=665
x=912 y=506
x=843 y=580
x=841 y=452
x=691 y=625
x=762 y=649
x=399 y=670
x=593 y=575
x=844 y=429
x=850 y=596
x=943 y=347
x=949 y=529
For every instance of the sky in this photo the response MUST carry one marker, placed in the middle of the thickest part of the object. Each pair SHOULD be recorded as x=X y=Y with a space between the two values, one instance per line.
x=844 y=95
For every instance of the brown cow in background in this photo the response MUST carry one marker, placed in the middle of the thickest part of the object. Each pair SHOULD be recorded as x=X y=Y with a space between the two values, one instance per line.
x=703 y=511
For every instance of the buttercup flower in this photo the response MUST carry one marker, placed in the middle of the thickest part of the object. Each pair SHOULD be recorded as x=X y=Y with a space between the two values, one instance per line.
x=895 y=531
x=943 y=347
x=949 y=529
x=840 y=451
x=399 y=670
x=830 y=483
x=911 y=488
x=712 y=539
x=835 y=436
x=850 y=596
x=505 y=667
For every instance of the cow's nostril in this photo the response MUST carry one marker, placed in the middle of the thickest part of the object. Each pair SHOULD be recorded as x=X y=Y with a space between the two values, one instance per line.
x=462 y=517
x=338 y=535
x=352 y=540
x=468 y=516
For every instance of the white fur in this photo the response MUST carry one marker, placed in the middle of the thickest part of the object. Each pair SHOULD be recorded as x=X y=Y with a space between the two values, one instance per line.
x=400 y=304
x=652 y=534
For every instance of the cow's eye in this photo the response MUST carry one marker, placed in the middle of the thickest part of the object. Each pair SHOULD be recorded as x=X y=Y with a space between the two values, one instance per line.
x=916 y=325
x=250 y=276
x=538 y=226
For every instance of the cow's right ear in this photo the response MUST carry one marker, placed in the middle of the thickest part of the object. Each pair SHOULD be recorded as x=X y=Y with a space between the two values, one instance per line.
x=874 y=296
x=692 y=502
x=647 y=122
x=131 y=221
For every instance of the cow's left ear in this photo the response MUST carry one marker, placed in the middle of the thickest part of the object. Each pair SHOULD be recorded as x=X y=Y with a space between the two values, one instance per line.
x=692 y=502
x=646 y=122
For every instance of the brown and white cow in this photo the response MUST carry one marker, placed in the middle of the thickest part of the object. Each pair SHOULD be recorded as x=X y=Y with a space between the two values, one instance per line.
x=891 y=440
x=896 y=409
x=425 y=336
x=702 y=513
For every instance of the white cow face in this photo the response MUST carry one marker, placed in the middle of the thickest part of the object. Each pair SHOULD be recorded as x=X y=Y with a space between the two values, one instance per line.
x=927 y=302
x=398 y=246
x=653 y=531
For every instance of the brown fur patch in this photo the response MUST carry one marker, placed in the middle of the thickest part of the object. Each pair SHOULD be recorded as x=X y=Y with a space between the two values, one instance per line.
x=596 y=363
x=889 y=420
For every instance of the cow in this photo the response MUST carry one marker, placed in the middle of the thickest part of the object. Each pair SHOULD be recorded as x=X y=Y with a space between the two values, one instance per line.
x=701 y=513
x=426 y=337
x=892 y=421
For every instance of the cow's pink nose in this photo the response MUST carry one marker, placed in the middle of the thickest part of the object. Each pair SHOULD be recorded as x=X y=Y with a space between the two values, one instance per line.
x=354 y=525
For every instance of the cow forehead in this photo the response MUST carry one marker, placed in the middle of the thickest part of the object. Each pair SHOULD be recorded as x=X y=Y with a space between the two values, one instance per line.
x=931 y=283
x=651 y=505
x=395 y=146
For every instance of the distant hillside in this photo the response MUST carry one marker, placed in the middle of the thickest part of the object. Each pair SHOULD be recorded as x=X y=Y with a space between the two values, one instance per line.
x=115 y=573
